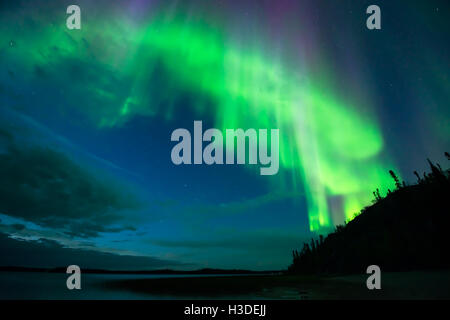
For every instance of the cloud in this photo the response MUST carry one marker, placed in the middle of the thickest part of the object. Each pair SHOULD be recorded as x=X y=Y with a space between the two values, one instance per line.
x=44 y=186
x=18 y=226
x=19 y=229
x=48 y=253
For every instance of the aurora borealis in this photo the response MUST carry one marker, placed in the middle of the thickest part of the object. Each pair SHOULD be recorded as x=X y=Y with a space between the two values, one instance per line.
x=350 y=105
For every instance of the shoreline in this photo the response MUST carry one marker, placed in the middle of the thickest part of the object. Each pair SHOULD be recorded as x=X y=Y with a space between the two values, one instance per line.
x=395 y=285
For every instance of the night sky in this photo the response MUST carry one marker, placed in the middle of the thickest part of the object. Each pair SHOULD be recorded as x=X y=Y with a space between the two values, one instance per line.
x=86 y=118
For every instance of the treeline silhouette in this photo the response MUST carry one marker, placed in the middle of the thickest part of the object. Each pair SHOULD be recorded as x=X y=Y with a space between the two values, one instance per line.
x=405 y=230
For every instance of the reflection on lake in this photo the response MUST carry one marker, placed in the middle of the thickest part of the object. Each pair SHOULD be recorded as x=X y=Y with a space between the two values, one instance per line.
x=42 y=285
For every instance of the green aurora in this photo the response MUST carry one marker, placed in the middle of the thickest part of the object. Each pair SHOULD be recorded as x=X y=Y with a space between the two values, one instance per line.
x=330 y=143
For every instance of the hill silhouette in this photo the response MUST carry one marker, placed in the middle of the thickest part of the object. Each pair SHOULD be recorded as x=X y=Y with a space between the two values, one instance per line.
x=203 y=271
x=405 y=230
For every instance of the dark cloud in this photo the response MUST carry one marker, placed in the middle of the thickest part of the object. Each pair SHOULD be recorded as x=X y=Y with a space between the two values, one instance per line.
x=18 y=226
x=87 y=229
x=47 y=253
x=46 y=187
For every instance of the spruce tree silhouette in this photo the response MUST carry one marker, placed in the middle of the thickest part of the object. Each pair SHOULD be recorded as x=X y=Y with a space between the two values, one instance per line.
x=419 y=179
x=398 y=185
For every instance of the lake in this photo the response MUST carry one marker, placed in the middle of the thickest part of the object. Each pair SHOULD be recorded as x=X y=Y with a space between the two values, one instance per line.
x=43 y=285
